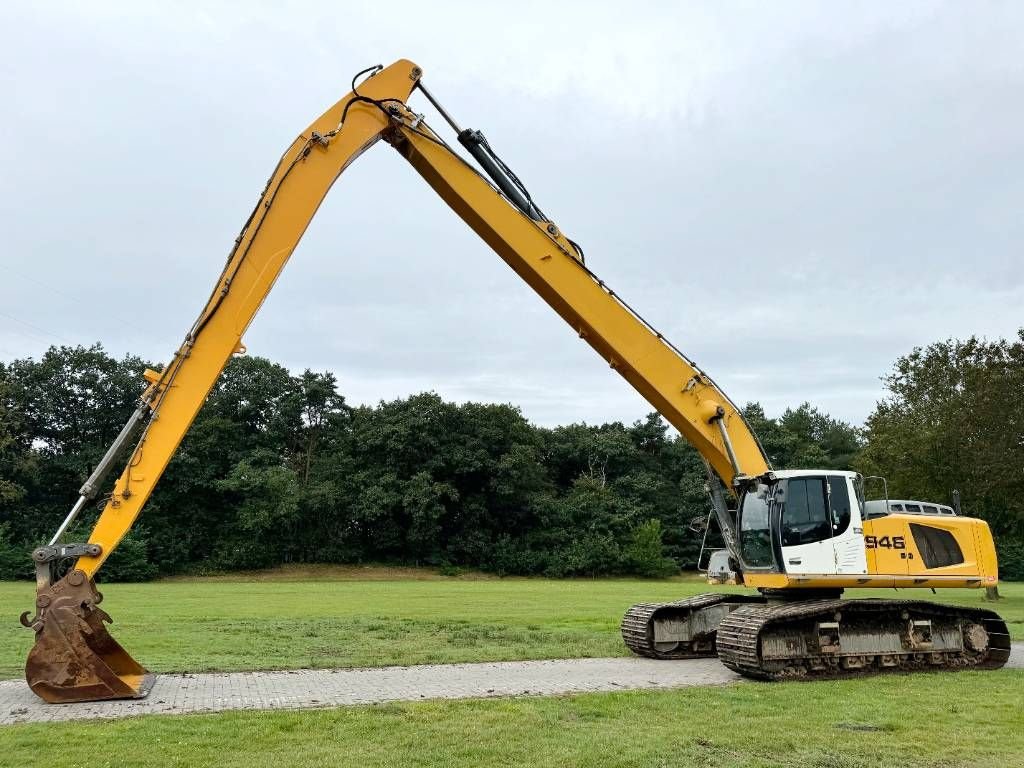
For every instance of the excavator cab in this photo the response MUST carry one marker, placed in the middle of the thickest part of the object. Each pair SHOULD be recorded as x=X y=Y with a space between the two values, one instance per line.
x=803 y=522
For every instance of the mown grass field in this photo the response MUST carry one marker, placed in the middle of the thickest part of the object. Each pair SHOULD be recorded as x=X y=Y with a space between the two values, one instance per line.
x=353 y=617
x=364 y=617
x=952 y=720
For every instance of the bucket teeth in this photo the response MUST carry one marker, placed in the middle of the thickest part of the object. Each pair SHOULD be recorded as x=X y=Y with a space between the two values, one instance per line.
x=74 y=657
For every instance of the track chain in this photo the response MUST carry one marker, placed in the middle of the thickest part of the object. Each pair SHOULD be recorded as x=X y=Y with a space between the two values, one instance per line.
x=638 y=625
x=740 y=634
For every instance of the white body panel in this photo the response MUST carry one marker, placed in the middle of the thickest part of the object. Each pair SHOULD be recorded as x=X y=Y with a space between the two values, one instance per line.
x=851 y=554
x=819 y=557
x=843 y=552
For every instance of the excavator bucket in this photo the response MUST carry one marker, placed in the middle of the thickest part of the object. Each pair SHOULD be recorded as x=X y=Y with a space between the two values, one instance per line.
x=74 y=657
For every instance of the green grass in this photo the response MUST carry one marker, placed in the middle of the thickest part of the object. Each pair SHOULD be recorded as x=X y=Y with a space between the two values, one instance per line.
x=952 y=720
x=364 y=617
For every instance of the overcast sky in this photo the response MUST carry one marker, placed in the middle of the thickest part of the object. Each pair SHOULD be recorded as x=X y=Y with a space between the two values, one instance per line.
x=796 y=194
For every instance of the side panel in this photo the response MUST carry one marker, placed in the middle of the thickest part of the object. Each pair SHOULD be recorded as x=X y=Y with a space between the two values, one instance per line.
x=872 y=581
x=986 y=547
x=937 y=540
x=818 y=557
x=887 y=546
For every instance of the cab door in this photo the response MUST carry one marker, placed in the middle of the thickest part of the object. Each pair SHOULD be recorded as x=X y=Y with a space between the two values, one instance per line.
x=847 y=527
x=806 y=527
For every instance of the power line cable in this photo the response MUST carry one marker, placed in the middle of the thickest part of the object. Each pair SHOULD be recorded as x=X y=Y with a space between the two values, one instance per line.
x=36 y=328
x=115 y=321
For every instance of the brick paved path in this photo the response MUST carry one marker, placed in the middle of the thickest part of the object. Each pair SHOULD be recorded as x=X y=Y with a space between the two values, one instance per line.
x=175 y=694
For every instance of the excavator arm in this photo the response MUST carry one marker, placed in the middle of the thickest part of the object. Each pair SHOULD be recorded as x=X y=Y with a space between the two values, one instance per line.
x=74 y=657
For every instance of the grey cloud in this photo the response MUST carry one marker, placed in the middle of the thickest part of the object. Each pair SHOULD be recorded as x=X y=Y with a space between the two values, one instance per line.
x=794 y=197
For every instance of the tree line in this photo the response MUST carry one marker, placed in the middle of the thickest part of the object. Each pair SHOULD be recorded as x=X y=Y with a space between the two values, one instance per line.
x=278 y=468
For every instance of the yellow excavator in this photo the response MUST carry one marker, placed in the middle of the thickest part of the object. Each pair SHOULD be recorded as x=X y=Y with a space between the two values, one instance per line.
x=797 y=537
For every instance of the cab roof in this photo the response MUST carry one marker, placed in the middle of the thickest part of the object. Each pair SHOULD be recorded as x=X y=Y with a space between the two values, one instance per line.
x=783 y=474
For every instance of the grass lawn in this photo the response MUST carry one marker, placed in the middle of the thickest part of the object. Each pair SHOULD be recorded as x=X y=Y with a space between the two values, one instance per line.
x=353 y=617
x=947 y=720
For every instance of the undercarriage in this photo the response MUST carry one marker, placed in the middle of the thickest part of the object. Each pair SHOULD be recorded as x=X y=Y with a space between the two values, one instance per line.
x=771 y=637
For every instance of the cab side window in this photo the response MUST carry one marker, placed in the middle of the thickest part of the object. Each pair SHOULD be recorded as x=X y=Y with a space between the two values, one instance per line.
x=806 y=517
x=839 y=497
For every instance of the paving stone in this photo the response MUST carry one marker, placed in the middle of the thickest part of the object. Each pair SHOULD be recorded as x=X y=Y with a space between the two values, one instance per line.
x=317 y=688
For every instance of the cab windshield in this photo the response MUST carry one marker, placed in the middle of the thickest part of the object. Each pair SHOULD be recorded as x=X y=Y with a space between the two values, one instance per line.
x=755 y=533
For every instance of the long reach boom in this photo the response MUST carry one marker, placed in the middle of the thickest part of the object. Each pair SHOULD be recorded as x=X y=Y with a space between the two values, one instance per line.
x=497 y=207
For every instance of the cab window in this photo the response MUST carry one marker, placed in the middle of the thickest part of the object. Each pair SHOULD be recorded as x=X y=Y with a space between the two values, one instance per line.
x=914 y=508
x=839 y=499
x=805 y=515
x=896 y=507
x=929 y=510
x=858 y=489
x=755 y=534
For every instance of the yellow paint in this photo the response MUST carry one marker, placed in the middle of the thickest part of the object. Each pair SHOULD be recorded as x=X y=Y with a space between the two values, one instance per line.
x=876 y=581
x=972 y=536
x=887 y=561
x=539 y=254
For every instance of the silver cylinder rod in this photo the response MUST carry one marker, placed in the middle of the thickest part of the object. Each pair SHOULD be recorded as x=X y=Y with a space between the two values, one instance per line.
x=728 y=445
x=69 y=519
x=476 y=144
x=91 y=486
x=721 y=509
x=438 y=107
x=128 y=431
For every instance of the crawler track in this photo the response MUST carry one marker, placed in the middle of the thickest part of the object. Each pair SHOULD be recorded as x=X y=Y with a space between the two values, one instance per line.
x=796 y=640
x=638 y=625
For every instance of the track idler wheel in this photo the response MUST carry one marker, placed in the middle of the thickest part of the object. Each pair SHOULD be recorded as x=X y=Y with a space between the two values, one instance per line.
x=74 y=657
